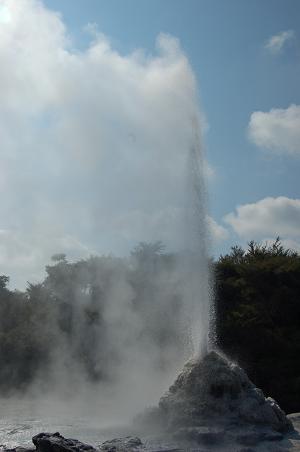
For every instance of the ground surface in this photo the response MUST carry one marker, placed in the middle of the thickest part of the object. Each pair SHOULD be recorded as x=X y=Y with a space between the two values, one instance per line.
x=290 y=442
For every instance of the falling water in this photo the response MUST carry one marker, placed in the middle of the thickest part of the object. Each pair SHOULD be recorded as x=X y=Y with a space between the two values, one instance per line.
x=197 y=289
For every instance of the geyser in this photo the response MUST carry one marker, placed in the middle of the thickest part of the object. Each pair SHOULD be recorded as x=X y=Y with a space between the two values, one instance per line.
x=212 y=401
x=197 y=290
x=215 y=391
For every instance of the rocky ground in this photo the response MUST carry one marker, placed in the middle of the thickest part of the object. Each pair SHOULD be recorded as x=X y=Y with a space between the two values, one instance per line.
x=54 y=442
x=212 y=406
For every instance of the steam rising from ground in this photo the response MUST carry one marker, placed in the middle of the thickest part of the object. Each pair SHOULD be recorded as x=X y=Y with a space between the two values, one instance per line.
x=106 y=335
x=96 y=149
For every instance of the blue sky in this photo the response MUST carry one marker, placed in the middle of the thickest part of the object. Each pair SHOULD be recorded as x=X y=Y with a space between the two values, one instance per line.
x=82 y=92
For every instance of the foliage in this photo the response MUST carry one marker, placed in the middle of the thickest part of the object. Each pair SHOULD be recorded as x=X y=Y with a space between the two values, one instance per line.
x=258 y=316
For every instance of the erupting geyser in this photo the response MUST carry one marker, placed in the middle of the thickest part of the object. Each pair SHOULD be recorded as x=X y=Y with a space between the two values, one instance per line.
x=212 y=400
x=197 y=290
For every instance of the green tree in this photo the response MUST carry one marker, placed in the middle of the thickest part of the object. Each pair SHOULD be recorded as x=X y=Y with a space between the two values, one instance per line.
x=258 y=316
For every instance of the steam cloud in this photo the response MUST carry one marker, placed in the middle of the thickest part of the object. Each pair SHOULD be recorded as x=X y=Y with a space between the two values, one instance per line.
x=94 y=159
x=93 y=143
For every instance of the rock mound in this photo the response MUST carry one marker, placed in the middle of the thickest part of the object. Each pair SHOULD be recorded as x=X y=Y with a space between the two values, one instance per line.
x=127 y=444
x=215 y=391
x=55 y=442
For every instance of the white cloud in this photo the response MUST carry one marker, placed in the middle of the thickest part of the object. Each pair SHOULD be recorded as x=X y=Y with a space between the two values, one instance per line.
x=266 y=218
x=277 y=130
x=217 y=231
x=5 y=16
x=93 y=143
x=23 y=256
x=291 y=244
x=276 y=43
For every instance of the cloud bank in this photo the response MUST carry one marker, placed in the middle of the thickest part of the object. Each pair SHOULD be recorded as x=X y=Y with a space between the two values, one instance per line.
x=277 y=130
x=266 y=218
x=93 y=143
x=276 y=43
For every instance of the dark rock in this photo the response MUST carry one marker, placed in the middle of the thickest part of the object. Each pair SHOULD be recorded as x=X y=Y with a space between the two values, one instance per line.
x=127 y=444
x=54 y=442
x=272 y=436
x=249 y=438
x=172 y=449
x=205 y=435
x=247 y=449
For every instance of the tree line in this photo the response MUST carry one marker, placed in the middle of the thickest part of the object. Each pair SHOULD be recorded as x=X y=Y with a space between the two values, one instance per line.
x=86 y=316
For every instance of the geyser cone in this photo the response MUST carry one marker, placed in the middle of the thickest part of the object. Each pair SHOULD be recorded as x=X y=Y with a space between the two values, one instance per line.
x=215 y=391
